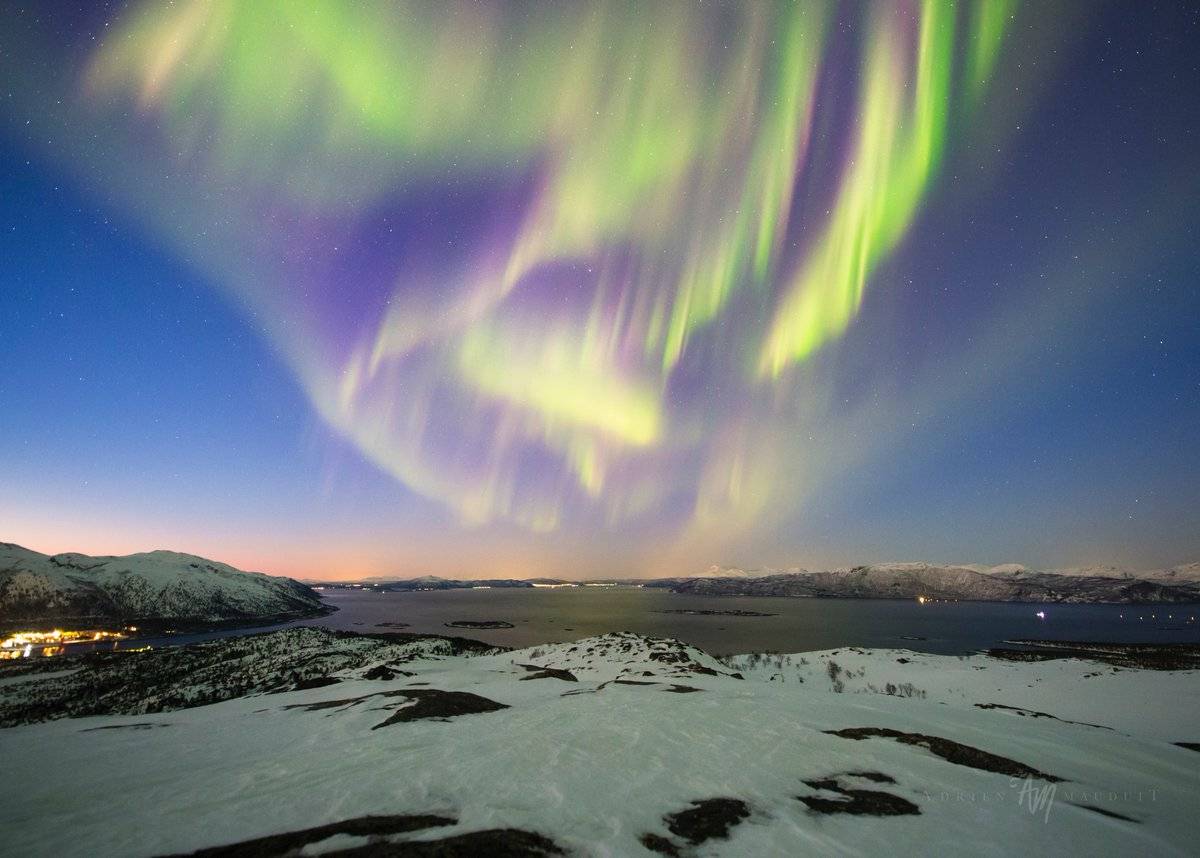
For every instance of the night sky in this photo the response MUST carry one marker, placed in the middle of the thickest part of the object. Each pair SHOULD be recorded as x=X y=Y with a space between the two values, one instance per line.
x=474 y=289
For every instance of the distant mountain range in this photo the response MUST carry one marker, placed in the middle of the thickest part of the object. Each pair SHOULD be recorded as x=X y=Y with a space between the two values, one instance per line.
x=1008 y=583
x=430 y=582
x=183 y=590
x=147 y=588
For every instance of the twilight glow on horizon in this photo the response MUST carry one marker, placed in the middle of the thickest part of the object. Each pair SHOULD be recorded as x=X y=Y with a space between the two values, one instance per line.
x=512 y=289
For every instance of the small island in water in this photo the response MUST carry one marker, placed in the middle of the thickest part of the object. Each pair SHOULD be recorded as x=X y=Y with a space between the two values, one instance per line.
x=478 y=624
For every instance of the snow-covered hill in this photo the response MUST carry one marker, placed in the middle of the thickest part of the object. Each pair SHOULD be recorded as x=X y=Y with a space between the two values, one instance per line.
x=615 y=745
x=156 y=585
x=1188 y=572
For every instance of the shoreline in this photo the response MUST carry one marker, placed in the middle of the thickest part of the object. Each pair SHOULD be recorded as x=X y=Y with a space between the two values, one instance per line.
x=165 y=625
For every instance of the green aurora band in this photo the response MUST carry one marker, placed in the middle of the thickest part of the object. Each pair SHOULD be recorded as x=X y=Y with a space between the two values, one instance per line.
x=681 y=211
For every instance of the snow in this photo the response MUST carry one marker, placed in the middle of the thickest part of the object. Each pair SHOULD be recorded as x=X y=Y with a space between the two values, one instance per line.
x=1145 y=703
x=1099 y=572
x=716 y=571
x=1014 y=570
x=1185 y=572
x=595 y=763
x=164 y=584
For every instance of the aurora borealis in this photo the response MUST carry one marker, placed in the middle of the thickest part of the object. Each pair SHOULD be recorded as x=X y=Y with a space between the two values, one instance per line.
x=559 y=287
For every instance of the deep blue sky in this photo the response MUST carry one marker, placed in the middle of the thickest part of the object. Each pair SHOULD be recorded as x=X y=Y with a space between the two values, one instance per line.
x=1021 y=383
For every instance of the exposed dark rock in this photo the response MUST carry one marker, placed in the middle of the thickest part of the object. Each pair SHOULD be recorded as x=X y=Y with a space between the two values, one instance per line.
x=478 y=624
x=426 y=703
x=875 y=777
x=658 y=843
x=707 y=819
x=141 y=725
x=537 y=672
x=682 y=661
x=383 y=672
x=432 y=703
x=858 y=801
x=1111 y=814
x=682 y=689
x=949 y=750
x=498 y=842
x=343 y=702
x=292 y=842
x=493 y=843
x=1031 y=713
x=1191 y=746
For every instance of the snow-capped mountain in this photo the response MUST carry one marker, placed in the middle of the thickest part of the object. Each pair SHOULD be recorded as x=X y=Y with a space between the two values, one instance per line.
x=155 y=585
x=1186 y=572
x=717 y=571
x=1007 y=583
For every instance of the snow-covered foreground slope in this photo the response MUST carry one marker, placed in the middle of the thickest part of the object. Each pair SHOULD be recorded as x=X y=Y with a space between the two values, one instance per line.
x=142 y=587
x=605 y=746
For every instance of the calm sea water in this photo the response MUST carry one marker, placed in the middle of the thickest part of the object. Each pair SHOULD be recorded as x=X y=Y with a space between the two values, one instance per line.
x=546 y=616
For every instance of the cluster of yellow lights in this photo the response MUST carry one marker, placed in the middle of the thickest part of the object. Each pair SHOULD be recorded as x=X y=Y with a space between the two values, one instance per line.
x=55 y=637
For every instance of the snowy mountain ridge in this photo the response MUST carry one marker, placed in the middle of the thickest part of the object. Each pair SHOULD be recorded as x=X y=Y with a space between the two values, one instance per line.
x=1006 y=583
x=154 y=585
x=1183 y=572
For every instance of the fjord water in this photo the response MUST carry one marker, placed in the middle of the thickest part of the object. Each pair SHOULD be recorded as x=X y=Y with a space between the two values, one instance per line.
x=541 y=616
x=797 y=624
